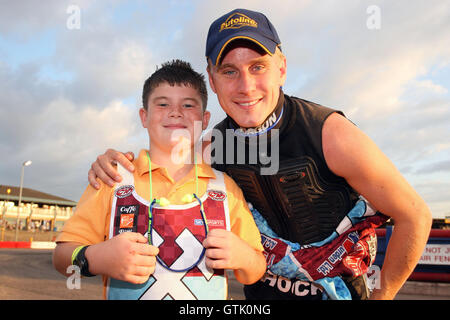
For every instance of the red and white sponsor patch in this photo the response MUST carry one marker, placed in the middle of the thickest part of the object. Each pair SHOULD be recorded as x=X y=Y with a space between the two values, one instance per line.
x=124 y=191
x=126 y=220
x=217 y=195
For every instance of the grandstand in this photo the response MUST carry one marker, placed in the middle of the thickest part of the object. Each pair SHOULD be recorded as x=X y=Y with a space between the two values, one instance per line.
x=38 y=210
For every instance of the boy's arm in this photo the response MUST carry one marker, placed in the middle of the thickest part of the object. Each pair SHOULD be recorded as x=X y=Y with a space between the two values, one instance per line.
x=225 y=250
x=62 y=256
x=127 y=257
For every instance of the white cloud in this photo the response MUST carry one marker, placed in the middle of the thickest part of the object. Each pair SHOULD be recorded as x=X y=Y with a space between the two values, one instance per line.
x=66 y=128
x=430 y=86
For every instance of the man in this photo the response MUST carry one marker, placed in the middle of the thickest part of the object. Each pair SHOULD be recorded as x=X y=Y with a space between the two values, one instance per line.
x=325 y=162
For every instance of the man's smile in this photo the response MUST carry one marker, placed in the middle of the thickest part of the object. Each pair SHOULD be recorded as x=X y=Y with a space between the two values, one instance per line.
x=248 y=103
x=175 y=126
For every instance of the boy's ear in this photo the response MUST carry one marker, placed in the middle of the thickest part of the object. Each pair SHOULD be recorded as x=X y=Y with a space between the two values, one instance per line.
x=143 y=115
x=205 y=120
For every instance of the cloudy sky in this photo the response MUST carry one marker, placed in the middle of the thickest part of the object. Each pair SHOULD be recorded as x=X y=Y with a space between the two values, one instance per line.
x=71 y=74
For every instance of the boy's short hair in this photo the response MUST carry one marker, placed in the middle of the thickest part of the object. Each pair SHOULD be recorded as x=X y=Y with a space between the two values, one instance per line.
x=175 y=72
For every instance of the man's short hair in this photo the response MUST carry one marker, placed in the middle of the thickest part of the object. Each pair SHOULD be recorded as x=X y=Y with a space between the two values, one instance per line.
x=176 y=72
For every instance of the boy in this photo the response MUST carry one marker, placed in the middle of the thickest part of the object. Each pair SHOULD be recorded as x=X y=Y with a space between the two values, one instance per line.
x=169 y=230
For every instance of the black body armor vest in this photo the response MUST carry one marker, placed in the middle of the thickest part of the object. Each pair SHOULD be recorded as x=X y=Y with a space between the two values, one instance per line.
x=303 y=201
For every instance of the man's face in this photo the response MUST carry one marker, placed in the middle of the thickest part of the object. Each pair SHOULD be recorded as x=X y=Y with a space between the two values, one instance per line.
x=247 y=84
x=172 y=110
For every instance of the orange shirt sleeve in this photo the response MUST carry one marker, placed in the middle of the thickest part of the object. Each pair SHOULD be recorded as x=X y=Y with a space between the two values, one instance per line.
x=241 y=219
x=90 y=221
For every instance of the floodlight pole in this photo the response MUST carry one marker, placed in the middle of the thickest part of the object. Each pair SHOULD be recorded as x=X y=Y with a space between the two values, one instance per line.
x=25 y=164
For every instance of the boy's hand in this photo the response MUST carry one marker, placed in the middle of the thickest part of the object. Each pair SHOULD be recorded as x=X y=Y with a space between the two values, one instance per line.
x=127 y=257
x=104 y=168
x=225 y=250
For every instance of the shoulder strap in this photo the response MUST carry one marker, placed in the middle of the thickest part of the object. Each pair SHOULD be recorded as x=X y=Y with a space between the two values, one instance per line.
x=218 y=183
x=127 y=177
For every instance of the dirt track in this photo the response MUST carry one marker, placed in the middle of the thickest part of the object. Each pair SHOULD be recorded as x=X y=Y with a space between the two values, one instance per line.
x=28 y=274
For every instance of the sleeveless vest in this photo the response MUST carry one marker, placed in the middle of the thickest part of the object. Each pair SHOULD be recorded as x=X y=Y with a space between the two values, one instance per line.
x=178 y=231
x=303 y=201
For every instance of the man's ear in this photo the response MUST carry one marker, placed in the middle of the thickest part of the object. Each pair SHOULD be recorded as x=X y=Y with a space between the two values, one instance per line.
x=283 y=69
x=210 y=71
x=143 y=115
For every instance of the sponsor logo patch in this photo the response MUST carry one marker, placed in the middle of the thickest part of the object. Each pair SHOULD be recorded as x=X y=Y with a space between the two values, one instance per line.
x=338 y=254
x=124 y=191
x=217 y=195
x=126 y=220
x=127 y=217
x=213 y=223
x=128 y=209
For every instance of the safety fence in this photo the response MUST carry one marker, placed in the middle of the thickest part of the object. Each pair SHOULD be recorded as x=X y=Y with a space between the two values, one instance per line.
x=434 y=264
x=27 y=244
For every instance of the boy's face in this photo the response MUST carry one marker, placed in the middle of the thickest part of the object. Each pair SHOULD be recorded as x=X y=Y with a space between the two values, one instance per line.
x=172 y=110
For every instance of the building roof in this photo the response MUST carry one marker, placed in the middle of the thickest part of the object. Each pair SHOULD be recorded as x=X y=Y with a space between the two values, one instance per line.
x=35 y=196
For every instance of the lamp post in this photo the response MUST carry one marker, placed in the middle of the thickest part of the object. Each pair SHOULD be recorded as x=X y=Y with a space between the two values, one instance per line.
x=25 y=164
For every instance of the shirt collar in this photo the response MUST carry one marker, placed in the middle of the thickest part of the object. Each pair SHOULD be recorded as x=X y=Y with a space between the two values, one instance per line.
x=141 y=163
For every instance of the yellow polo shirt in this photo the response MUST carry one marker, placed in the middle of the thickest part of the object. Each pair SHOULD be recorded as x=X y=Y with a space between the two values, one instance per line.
x=90 y=222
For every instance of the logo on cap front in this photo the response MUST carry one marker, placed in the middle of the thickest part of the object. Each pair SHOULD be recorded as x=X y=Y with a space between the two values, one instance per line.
x=238 y=20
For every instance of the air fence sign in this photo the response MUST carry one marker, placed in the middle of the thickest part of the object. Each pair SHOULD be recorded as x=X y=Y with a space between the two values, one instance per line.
x=436 y=254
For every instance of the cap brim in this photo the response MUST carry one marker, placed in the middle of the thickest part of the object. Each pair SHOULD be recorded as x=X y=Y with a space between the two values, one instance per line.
x=267 y=45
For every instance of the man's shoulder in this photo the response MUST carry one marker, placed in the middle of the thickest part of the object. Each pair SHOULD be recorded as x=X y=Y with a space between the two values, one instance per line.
x=308 y=106
x=307 y=112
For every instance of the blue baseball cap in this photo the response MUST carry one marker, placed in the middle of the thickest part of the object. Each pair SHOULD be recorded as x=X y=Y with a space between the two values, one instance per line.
x=240 y=24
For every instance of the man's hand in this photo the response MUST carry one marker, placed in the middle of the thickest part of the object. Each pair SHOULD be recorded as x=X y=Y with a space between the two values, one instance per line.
x=225 y=250
x=105 y=169
x=127 y=257
x=378 y=294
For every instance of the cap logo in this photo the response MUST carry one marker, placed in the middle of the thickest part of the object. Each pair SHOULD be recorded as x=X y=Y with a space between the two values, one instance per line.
x=238 y=20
